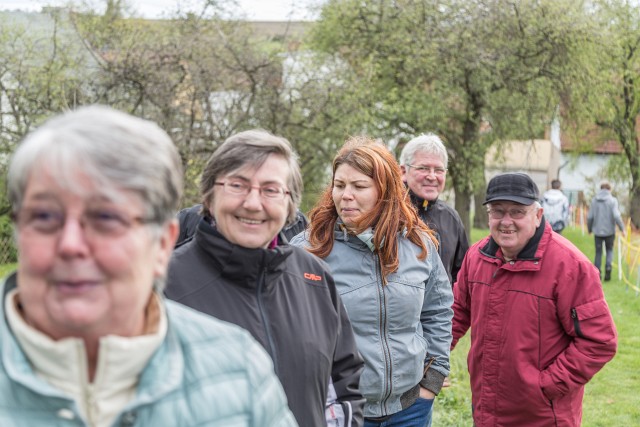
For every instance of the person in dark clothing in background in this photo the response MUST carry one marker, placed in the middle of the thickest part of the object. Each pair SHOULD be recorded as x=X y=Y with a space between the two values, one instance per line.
x=239 y=268
x=424 y=170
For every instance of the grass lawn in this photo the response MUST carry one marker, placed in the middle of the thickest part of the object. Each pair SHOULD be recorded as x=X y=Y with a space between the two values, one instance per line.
x=611 y=397
x=6 y=269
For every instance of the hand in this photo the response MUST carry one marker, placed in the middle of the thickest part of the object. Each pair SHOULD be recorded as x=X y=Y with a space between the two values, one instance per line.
x=427 y=394
x=446 y=382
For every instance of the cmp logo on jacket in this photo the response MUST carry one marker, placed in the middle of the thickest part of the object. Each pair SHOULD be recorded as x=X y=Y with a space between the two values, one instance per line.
x=311 y=276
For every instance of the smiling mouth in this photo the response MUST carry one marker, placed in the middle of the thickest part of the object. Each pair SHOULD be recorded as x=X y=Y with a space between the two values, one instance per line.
x=250 y=221
x=75 y=286
x=507 y=231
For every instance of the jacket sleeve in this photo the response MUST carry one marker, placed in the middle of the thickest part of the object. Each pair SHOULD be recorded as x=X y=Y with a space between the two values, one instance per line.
x=347 y=366
x=268 y=403
x=461 y=305
x=436 y=318
x=585 y=317
x=590 y=218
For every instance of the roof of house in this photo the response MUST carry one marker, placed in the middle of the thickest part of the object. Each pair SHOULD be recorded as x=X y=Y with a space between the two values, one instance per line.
x=607 y=147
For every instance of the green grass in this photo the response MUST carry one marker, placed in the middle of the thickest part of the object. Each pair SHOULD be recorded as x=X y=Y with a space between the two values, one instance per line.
x=611 y=397
x=6 y=269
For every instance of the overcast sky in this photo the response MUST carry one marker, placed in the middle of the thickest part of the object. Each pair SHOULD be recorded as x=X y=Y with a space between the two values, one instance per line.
x=268 y=10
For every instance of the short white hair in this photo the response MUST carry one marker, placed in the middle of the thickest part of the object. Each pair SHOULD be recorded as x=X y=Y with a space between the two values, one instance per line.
x=426 y=143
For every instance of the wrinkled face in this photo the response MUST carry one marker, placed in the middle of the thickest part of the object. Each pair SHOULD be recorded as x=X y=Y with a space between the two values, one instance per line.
x=86 y=262
x=252 y=220
x=426 y=176
x=354 y=194
x=512 y=234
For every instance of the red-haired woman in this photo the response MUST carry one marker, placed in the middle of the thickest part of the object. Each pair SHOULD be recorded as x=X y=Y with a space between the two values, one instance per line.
x=391 y=281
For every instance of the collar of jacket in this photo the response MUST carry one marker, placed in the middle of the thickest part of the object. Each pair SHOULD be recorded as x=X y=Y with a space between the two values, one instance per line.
x=151 y=385
x=239 y=264
x=342 y=234
x=529 y=250
x=420 y=203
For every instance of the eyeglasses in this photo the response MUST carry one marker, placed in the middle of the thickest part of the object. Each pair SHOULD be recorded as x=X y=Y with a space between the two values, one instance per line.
x=426 y=170
x=514 y=213
x=95 y=222
x=240 y=188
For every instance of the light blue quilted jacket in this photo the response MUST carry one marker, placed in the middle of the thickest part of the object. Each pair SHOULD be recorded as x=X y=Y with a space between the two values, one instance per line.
x=402 y=328
x=206 y=373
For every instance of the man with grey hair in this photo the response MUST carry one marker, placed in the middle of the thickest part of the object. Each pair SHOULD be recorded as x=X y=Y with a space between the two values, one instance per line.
x=424 y=170
x=541 y=326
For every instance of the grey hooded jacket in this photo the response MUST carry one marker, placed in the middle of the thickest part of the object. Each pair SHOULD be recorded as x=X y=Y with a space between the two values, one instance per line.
x=604 y=215
x=556 y=207
x=402 y=329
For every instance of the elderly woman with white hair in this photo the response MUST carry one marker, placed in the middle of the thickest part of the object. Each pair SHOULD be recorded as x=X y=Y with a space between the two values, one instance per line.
x=86 y=337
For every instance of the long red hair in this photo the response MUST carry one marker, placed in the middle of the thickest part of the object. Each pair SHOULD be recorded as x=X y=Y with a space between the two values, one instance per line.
x=392 y=214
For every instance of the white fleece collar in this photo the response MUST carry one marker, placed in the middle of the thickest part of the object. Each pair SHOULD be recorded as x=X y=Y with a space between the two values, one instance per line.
x=63 y=363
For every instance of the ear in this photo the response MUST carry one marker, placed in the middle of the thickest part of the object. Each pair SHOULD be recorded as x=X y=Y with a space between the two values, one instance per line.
x=539 y=217
x=168 y=237
x=403 y=169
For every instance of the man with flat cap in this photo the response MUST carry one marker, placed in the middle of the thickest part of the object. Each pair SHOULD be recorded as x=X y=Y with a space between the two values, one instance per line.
x=541 y=327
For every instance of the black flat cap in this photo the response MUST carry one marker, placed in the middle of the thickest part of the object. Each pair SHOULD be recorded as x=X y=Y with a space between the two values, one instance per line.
x=514 y=187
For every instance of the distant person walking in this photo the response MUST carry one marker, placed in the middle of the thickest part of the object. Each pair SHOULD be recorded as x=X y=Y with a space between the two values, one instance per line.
x=556 y=207
x=601 y=221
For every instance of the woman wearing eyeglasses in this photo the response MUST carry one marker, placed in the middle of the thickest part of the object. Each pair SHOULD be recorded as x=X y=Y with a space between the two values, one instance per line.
x=86 y=338
x=392 y=282
x=237 y=268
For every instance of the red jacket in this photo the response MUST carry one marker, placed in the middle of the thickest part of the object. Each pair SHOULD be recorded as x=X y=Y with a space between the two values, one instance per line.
x=540 y=329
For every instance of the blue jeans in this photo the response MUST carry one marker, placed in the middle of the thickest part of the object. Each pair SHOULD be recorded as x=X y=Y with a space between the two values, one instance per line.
x=608 y=245
x=416 y=415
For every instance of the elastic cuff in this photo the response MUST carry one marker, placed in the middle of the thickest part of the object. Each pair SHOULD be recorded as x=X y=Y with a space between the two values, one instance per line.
x=432 y=381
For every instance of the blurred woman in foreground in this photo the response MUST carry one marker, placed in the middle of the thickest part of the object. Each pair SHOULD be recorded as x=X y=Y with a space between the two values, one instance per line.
x=86 y=337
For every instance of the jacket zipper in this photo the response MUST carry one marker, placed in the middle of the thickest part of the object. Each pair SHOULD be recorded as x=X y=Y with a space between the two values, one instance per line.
x=384 y=339
x=576 y=322
x=87 y=387
x=265 y=322
x=90 y=403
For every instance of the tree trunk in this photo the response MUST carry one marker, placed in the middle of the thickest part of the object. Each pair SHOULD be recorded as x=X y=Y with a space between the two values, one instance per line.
x=480 y=217
x=463 y=206
x=634 y=212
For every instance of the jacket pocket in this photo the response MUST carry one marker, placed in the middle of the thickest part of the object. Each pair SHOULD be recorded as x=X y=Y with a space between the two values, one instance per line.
x=547 y=401
x=593 y=321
